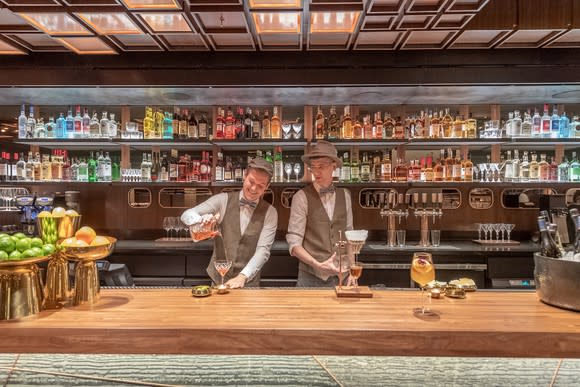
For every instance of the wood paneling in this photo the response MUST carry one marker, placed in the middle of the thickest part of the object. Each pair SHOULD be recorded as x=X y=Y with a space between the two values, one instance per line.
x=300 y=322
x=544 y=14
x=496 y=15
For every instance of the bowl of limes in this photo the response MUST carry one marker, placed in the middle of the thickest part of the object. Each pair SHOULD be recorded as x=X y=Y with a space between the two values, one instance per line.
x=18 y=247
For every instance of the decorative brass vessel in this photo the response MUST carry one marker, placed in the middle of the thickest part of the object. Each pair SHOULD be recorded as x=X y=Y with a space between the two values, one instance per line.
x=20 y=288
x=557 y=281
x=87 y=288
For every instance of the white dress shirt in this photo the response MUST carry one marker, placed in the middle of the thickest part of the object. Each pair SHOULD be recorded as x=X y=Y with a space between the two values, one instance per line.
x=218 y=204
x=299 y=213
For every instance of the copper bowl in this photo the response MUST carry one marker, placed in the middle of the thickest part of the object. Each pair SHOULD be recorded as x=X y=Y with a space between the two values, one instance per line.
x=89 y=253
x=557 y=281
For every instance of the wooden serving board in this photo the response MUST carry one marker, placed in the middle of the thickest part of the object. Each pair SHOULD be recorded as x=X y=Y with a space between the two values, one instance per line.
x=495 y=243
x=173 y=240
x=351 y=292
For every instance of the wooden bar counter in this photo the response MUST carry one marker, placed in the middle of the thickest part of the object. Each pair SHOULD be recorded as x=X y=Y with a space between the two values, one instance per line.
x=292 y=321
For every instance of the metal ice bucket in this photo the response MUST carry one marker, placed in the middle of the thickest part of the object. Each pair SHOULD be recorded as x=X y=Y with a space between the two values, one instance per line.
x=557 y=281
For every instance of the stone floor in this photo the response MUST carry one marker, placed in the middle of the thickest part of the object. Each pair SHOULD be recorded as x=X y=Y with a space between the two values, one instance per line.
x=164 y=370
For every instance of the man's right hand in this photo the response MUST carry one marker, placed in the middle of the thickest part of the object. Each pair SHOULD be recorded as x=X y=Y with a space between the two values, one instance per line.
x=329 y=266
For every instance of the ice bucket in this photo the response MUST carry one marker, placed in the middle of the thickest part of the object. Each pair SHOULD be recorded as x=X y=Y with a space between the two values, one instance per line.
x=557 y=281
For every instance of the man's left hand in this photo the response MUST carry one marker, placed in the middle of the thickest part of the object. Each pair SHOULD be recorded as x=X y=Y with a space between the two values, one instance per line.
x=237 y=282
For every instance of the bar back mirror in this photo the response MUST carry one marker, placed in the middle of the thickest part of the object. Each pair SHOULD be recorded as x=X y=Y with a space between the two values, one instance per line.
x=268 y=195
x=139 y=197
x=375 y=197
x=573 y=197
x=524 y=198
x=182 y=197
x=423 y=197
x=481 y=198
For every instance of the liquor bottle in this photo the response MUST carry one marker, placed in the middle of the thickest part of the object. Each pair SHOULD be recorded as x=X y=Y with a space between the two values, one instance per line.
x=388 y=127
x=21 y=168
x=50 y=127
x=184 y=173
x=40 y=129
x=575 y=127
x=449 y=162
x=167 y=127
x=83 y=171
x=86 y=123
x=191 y=127
x=536 y=124
x=553 y=170
x=379 y=127
x=548 y=246
x=357 y=129
x=574 y=168
x=3 y=168
x=148 y=123
x=37 y=167
x=401 y=171
x=92 y=168
x=164 y=172
x=116 y=170
x=333 y=124
x=399 y=129
x=155 y=167
x=94 y=126
x=107 y=168
x=376 y=167
x=429 y=173
x=173 y=160
x=205 y=167
x=319 y=124
x=69 y=124
x=516 y=166
x=439 y=168
x=239 y=124
x=545 y=123
x=534 y=168
x=435 y=126
x=368 y=132
x=564 y=170
x=354 y=168
x=564 y=125
x=74 y=170
x=456 y=167
x=525 y=168
x=219 y=167
x=467 y=169
x=22 y=122
x=576 y=221
x=248 y=128
x=104 y=125
x=275 y=124
x=145 y=169
x=346 y=131
x=555 y=120
x=517 y=124
x=508 y=167
x=113 y=127
x=278 y=165
x=365 y=168
x=543 y=168
x=228 y=170
x=202 y=127
x=220 y=125
x=66 y=168
x=266 y=123
x=457 y=127
x=30 y=123
x=256 y=124
x=46 y=169
x=471 y=127
x=60 y=127
x=345 y=171
x=527 y=125
x=175 y=118
x=100 y=166
x=238 y=170
x=158 y=119
x=508 y=125
x=78 y=123
x=29 y=168
x=447 y=124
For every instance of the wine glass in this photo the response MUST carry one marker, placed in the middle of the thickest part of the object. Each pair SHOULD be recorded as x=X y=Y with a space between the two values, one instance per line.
x=297 y=130
x=167 y=226
x=222 y=266
x=479 y=228
x=422 y=272
x=297 y=170
x=288 y=171
x=286 y=130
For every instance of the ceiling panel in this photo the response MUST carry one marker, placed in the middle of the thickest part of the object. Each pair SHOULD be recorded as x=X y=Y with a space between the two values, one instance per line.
x=379 y=40
x=87 y=45
x=453 y=20
x=344 y=21
x=54 y=23
x=280 y=41
x=8 y=49
x=427 y=39
x=378 y=22
x=422 y=6
x=274 y=4
x=528 y=38
x=478 y=38
x=38 y=42
x=466 y=5
x=327 y=41
x=277 y=22
x=232 y=42
x=181 y=42
x=570 y=39
x=151 y=4
x=136 y=42
x=165 y=22
x=110 y=23
x=415 y=22
x=222 y=22
x=392 y=7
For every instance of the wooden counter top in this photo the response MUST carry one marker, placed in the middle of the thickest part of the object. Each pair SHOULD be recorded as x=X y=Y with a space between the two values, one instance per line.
x=288 y=321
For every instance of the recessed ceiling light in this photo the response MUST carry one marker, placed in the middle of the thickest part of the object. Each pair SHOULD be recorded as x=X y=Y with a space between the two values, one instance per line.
x=272 y=4
x=55 y=23
x=110 y=23
x=277 y=22
x=334 y=21
x=151 y=4
x=166 y=22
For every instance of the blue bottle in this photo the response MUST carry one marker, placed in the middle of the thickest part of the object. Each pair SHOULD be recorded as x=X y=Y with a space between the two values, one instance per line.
x=60 y=127
x=70 y=125
x=564 y=126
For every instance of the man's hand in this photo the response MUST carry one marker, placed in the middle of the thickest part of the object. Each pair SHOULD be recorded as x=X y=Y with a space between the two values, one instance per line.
x=237 y=282
x=329 y=266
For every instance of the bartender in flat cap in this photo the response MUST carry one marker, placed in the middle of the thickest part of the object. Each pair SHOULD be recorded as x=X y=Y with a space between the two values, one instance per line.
x=318 y=213
x=248 y=226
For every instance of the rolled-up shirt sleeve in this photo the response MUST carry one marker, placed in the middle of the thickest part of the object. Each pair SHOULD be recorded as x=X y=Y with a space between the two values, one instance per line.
x=297 y=222
x=213 y=205
x=264 y=245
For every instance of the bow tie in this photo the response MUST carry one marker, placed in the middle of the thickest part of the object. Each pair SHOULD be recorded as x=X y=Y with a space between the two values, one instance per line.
x=245 y=202
x=328 y=190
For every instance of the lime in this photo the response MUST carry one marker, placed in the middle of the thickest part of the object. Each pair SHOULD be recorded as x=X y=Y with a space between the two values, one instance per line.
x=27 y=254
x=14 y=256
x=3 y=255
x=14 y=239
x=36 y=242
x=19 y=235
x=7 y=245
x=48 y=249
x=37 y=251
x=2 y=235
x=23 y=244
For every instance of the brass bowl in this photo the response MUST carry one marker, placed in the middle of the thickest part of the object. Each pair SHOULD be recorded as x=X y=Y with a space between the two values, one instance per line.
x=89 y=253
x=23 y=262
x=52 y=229
x=454 y=291
x=201 y=291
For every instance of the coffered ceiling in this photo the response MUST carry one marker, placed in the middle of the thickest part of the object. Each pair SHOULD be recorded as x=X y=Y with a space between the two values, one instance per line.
x=118 y=26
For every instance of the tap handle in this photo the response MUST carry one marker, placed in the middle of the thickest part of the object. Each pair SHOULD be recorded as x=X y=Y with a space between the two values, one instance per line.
x=440 y=199
x=415 y=199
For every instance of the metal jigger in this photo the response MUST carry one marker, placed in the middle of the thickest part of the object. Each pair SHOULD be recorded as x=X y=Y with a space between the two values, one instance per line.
x=87 y=286
x=57 y=287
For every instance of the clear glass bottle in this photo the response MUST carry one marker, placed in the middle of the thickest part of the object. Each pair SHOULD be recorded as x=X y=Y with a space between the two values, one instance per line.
x=50 y=127
x=69 y=124
x=365 y=168
x=546 y=123
x=564 y=170
x=347 y=126
x=40 y=129
x=60 y=127
x=30 y=123
x=22 y=122
x=555 y=123
x=83 y=171
x=467 y=169
x=345 y=174
x=113 y=127
x=517 y=124
x=534 y=168
x=574 y=170
x=447 y=124
x=275 y=124
x=544 y=168
x=108 y=170
x=471 y=127
x=575 y=127
x=21 y=166
x=104 y=126
x=516 y=166
x=86 y=127
x=354 y=169
x=266 y=125
x=508 y=167
x=527 y=125
x=78 y=123
x=536 y=124
x=145 y=169
x=525 y=168
x=564 y=126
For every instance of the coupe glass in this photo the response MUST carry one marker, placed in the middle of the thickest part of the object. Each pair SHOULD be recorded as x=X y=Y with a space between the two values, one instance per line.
x=297 y=170
x=509 y=227
x=422 y=272
x=222 y=266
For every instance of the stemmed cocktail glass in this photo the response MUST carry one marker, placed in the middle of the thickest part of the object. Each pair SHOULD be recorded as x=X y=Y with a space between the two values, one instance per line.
x=222 y=266
x=422 y=272
x=356 y=239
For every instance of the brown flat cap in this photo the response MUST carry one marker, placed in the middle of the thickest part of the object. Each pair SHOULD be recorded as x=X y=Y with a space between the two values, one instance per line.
x=322 y=148
x=262 y=164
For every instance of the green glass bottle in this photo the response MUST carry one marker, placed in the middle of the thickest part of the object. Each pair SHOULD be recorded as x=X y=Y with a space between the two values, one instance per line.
x=116 y=170
x=92 y=167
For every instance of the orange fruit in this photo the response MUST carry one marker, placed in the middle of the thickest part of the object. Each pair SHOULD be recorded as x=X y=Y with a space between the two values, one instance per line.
x=100 y=241
x=86 y=234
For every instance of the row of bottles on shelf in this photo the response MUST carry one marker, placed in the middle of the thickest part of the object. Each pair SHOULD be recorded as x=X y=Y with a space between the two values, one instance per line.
x=182 y=125
x=526 y=170
x=232 y=168
x=251 y=125
x=173 y=167
x=545 y=126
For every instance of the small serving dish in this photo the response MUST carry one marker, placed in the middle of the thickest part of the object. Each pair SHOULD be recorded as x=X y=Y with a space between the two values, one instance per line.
x=201 y=291
x=454 y=291
x=466 y=283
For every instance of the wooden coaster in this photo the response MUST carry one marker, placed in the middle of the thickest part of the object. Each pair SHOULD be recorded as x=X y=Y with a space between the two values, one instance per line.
x=495 y=243
x=351 y=292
